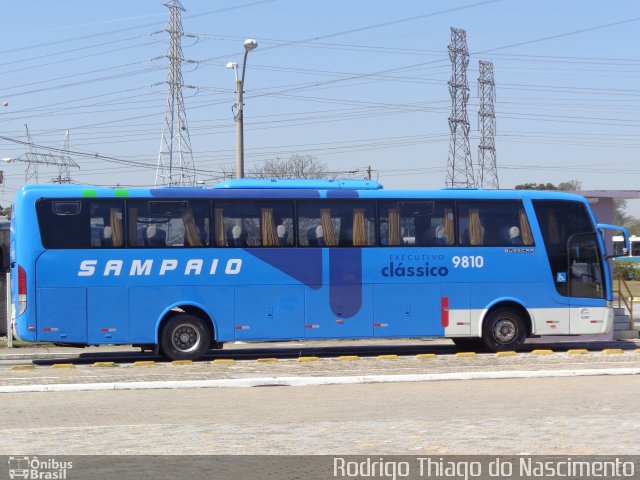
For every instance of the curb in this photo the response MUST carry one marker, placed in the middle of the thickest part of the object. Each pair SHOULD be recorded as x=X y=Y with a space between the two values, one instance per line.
x=315 y=381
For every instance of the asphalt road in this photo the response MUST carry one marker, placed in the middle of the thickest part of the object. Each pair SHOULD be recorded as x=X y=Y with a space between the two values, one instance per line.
x=583 y=415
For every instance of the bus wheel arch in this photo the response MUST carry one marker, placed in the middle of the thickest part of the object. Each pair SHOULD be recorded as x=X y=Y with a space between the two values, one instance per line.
x=505 y=326
x=186 y=332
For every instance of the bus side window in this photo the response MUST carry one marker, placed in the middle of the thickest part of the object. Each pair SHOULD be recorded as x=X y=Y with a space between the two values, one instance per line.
x=253 y=224
x=332 y=224
x=63 y=224
x=493 y=223
x=417 y=223
x=168 y=223
x=105 y=218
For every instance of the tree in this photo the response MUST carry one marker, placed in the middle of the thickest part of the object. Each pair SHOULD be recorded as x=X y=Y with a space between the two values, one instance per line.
x=296 y=166
x=6 y=212
x=571 y=185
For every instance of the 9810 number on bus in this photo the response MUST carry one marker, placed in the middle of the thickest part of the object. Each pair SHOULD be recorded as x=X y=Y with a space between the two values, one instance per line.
x=471 y=261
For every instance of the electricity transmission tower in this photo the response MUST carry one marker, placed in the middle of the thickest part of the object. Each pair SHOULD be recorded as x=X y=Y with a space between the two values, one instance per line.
x=459 y=165
x=175 y=161
x=33 y=158
x=64 y=173
x=487 y=168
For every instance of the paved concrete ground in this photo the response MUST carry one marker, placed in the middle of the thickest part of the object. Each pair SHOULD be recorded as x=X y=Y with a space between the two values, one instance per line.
x=571 y=416
x=585 y=415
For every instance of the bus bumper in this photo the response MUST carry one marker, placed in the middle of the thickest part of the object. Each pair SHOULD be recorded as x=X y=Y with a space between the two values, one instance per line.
x=15 y=330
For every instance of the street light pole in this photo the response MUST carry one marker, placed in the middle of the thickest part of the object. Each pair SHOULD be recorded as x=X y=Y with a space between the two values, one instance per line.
x=249 y=45
x=239 y=130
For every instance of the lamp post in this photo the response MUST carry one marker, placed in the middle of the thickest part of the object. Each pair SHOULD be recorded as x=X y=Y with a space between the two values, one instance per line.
x=249 y=44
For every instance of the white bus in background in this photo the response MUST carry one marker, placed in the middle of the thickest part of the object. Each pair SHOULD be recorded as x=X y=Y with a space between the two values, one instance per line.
x=618 y=246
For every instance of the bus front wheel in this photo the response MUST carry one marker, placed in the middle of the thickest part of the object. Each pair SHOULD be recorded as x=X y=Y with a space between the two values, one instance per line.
x=185 y=337
x=503 y=330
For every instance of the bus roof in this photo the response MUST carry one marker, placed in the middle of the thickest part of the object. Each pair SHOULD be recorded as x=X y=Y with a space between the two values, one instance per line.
x=289 y=188
x=309 y=184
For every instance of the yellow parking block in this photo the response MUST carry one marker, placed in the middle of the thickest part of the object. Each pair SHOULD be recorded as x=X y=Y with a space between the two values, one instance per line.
x=105 y=364
x=506 y=354
x=63 y=365
x=577 y=351
x=144 y=363
x=466 y=354
x=424 y=356
x=387 y=357
x=223 y=361
x=612 y=351
x=23 y=367
x=542 y=352
x=348 y=358
x=267 y=360
x=308 y=359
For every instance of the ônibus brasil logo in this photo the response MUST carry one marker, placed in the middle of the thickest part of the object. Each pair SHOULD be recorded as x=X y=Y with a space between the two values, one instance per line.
x=38 y=469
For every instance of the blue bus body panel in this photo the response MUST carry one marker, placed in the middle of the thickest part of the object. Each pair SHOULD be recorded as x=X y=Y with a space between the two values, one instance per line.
x=110 y=324
x=415 y=313
x=349 y=292
x=62 y=314
x=148 y=304
x=268 y=312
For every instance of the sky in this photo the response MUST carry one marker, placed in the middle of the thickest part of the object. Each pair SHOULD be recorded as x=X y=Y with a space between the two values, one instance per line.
x=359 y=84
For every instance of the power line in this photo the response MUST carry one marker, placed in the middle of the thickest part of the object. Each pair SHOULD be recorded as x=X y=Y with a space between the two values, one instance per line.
x=136 y=27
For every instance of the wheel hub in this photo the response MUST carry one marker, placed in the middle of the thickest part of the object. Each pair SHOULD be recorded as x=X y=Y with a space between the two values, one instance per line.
x=186 y=338
x=505 y=331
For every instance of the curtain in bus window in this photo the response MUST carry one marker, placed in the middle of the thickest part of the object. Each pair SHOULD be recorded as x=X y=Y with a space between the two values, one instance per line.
x=394 y=227
x=448 y=226
x=133 y=227
x=359 y=229
x=191 y=230
x=525 y=230
x=115 y=221
x=221 y=240
x=327 y=227
x=268 y=228
x=475 y=227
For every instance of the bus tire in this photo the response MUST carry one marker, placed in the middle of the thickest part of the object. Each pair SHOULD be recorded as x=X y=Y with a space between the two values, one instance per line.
x=185 y=337
x=503 y=330
x=469 y=343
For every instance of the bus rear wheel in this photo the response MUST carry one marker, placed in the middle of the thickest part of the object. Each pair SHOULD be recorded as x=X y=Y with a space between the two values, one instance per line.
x=504 y=330
x=185 y=337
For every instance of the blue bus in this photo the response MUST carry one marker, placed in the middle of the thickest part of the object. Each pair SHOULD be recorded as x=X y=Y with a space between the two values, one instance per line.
x=183 y=270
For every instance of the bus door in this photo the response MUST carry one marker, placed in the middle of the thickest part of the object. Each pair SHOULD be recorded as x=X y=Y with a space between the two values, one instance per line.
x=586 y=285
